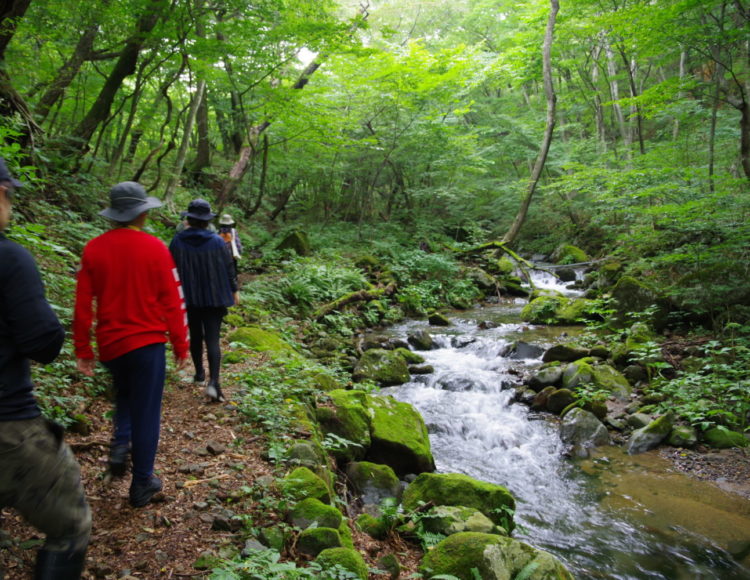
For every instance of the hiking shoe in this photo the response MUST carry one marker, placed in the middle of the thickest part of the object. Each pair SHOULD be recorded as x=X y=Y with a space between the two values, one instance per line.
x=213 y=391
x=199 y=377
x=142 y=493
x=118 y=460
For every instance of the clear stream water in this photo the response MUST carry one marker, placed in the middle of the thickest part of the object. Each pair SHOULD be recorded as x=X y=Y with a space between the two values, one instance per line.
x=610 y=516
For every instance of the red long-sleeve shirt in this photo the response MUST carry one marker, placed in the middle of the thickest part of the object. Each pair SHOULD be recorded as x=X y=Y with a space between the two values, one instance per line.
x=132 y=279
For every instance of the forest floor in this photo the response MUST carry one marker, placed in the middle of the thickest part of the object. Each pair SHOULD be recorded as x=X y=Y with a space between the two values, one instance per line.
x=202 y=467
x=206 y=454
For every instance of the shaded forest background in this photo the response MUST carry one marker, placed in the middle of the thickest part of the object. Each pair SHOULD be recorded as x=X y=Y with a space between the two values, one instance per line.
x=424 y=115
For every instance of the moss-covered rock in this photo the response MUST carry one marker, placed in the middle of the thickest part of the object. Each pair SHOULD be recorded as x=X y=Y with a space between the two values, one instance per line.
x=296 y=241
x=347 y=539
x=480 y=278
x=569 y=254
x=447 y=520
x=722 y=438
x=651 y=435
x=601 y=376
x=372 y=526
x=456 y=489
x=411 y=357
x=682 y=436
x=421 y=340
x=543 y=309
x=313 y=511
x=348 y=419
x=313 y=541
x=274 y=537
x=261 y=340
x=438 y=319
x=574 y=311
x=373 y=482
x=306 y=452
x=302 y=483
x=564 y=353
x=494 y=557
x=384 y=367
x=631 y=295
x=398 y=436
x=559 y=399
x=347 y=558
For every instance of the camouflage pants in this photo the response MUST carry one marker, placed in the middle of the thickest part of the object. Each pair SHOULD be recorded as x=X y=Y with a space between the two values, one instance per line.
x=40 y=478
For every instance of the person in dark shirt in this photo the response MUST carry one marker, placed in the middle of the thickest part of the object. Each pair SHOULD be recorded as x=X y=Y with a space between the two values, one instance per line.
x=209 y=281
x=39 y=478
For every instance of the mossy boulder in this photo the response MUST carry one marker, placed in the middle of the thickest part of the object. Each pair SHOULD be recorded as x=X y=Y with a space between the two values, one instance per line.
x=651 y=435
x=631 y=295
x=373 y=482
x=456 y=489
x=559 y=400
x=372 y=526
x=384 y=367
x=421 y=340
x=398 y=436
x=494 y=557
x=601 y=376
x=411 y=357
x=296 y=241
x=313 y=511
x=261 y=340
x=274 y=537
x=574 y=311
x=447 y=520
x=306 y=452
x=723 y=438
x=438 y=319
x=348 y=419
x=543 y=309
x=547 y=376
x=313 y=541
x=569 y=254
x=347 y=558
x=302 y=483
x=683 y=436
x=564 y=353
x=347 y=540
x=480 y=278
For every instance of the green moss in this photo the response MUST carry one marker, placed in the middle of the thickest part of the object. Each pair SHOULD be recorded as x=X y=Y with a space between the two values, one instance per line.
x=384 y=367
x=260 y=340
x=347 y=540
x=458 y=554
x=372 y=526
x=302 y=483
x=313 y=511
x=314 y=540
x=543 y=310
x=297 y=242
x=569 y=254
x=399 y=436
x=722 y=438
x=456 y=489
x=349 y=420
x=411 y=357
x=233 y=357
x=347 y=558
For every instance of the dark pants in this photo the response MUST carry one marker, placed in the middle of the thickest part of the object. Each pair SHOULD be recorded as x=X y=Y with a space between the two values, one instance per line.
x=204 y=324
x=41 y=479
x=138 y=378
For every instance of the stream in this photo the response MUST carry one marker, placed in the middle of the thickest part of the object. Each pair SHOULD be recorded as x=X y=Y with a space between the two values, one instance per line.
x=610 y=516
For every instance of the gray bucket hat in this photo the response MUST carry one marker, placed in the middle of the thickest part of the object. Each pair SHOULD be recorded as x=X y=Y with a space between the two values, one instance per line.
x=128 y=200
x=200 y=209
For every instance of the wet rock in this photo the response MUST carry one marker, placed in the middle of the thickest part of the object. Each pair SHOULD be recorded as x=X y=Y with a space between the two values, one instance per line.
x=438 y=319
x=651 y=435
x=421 y=369
x=546 y=377
x=683 y=436
x=564 y=353
x=421 y=340
x=582 y=430
x=520 y=350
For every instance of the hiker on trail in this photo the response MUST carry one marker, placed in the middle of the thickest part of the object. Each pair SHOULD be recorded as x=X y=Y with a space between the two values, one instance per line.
x=228 y=233
x=133 y=280
x=33 y=455
x=209 y=280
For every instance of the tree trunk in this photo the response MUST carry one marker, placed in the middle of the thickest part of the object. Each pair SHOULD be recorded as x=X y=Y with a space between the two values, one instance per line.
x=614 y=90
x=182 y=152
x=124 y=67
x=11 y=12
x=549 y=91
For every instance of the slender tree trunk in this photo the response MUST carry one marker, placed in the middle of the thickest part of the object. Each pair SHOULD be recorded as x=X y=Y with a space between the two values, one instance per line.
x=631 y=67
x=124 y=67
x=614 y=90
x=549 y=90
x=676 y=126
x=182 y=152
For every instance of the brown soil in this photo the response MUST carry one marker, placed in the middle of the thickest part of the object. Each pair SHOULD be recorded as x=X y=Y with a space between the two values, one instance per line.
x=205 y=457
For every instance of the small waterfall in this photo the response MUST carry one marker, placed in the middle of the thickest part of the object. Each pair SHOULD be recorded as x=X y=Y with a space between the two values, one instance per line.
x=476 y=429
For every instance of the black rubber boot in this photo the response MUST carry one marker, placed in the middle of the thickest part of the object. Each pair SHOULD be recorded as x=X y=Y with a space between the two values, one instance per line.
x=59 y=565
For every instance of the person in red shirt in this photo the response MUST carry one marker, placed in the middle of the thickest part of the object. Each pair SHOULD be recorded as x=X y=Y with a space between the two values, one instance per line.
x=132 y=279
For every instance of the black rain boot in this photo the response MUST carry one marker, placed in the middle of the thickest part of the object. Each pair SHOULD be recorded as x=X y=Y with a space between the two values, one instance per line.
x=59 y=565
x=213 y=391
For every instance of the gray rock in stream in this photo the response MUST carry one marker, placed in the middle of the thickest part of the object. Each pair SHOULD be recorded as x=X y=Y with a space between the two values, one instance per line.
x=582 y=431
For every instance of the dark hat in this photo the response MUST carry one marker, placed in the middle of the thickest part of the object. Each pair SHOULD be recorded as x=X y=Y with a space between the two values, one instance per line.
x=200 y=209
x=128 y=200
x=6 y=176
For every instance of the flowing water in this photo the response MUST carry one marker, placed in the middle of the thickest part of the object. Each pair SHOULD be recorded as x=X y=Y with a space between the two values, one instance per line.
x=610 y=516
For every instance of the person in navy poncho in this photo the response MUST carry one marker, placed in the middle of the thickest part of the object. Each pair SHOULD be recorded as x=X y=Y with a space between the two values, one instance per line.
x=209 y=282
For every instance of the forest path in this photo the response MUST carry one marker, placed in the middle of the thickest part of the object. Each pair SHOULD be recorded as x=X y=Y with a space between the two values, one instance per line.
x=201 y=467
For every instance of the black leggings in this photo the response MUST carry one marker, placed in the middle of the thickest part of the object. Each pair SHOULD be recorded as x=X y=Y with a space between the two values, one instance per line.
x=205 y=326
